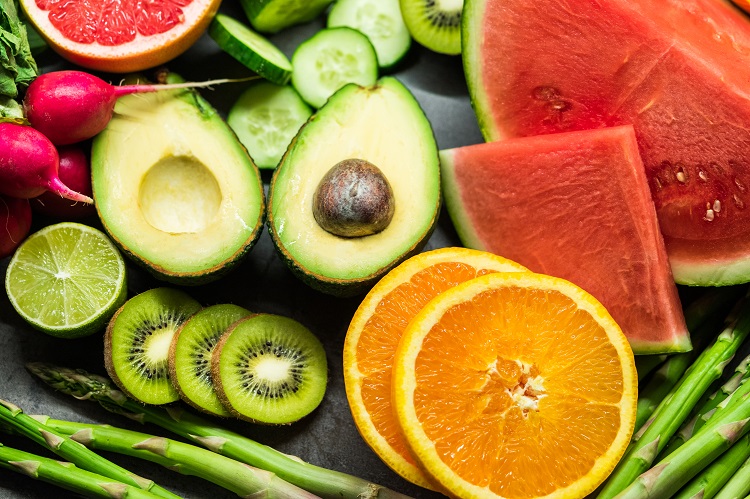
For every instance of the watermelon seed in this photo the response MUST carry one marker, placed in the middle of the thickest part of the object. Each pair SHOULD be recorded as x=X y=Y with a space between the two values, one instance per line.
x=717 y=206
x=738 y=202
x=703 y=175
x=709 y=215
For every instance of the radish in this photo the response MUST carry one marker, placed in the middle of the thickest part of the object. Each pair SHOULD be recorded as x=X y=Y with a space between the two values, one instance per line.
x=29 y=164
x=15 y=222
x=71 y=106
x=75 y=172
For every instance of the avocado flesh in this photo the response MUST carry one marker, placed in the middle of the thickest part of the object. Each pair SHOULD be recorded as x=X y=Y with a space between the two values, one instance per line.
x=174 y=187
x=384 y=125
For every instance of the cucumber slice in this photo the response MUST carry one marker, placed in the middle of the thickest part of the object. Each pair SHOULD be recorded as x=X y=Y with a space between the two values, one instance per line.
x=271 y=16
x=251 y=49
x=381 y=21
x=266 y=117
x=329 y=60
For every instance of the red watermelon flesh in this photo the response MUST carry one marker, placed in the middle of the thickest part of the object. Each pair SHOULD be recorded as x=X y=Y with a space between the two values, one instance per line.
x=677 y=70
x=574 y=205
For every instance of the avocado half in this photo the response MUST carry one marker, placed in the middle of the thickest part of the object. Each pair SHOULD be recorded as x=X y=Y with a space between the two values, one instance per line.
x=385 y=126
x=174 y=187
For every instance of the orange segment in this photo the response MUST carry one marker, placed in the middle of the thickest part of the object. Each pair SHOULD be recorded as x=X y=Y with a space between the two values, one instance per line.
x=374 y=334
x=515 y=385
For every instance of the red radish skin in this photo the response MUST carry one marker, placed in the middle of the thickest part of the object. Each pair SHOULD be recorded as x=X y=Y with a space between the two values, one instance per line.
x=71 y=106
x=29 y=164
x=15 y=222
x=75 y=172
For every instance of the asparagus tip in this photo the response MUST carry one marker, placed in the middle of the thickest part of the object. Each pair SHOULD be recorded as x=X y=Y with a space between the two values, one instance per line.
x=211 y=443
x=732 y=431
x=648 y=452
x=651 y=477
x=85 y=436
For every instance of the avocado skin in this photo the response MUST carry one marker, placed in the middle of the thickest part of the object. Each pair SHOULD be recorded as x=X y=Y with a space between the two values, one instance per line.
x=342 y=288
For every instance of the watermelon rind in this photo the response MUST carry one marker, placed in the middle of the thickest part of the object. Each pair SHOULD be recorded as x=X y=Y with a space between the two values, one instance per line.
x=471 y=44
x=710 y=273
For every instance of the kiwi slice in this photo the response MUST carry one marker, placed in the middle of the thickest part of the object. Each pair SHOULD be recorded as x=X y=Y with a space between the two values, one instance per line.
x=137 y=342
x=436 y=24
x=269 y=369
x=190 y=356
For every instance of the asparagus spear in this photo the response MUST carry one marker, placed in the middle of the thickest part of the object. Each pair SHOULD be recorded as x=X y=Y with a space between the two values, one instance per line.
x=15 y=419
x=68 y=476
x=682 y=465
x=673 y=410
x=698 y=317
x=243 y=480
x=714 y=477
x=320 y=481
x=738 y=485
x=646 y=364
x=708 y=406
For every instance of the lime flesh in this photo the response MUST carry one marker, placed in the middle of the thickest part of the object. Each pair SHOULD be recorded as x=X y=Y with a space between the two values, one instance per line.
x=67 y=280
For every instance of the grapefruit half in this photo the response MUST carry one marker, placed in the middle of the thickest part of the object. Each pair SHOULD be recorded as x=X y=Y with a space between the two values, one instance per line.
x=123 y=36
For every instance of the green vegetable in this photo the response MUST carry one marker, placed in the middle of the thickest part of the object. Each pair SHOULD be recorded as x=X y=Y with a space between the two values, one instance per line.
x=652 y=438
x=646 y=364
x=17 y=66
x=67 y=476
x=707 y=407
x=12 y=417
x=320 y=481
x=187 y=459
x=682 y=465
x=713 y=478
x=699 y=317
x=738 y=485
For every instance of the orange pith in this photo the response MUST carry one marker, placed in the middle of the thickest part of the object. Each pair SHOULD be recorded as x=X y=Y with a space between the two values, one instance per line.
x=374 y=335
x=511 y=387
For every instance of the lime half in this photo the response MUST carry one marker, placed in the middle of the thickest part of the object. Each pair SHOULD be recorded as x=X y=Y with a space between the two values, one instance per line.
x=67 y=280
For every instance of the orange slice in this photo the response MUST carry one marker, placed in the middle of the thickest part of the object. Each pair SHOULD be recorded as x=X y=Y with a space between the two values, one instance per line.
x=517 y=386
x=374 y=334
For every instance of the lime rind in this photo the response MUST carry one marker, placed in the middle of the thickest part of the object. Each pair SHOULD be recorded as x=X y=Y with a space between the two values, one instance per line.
x=66 y=280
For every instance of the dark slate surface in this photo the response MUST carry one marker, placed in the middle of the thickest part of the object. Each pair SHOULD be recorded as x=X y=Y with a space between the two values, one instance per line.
x=262 y=283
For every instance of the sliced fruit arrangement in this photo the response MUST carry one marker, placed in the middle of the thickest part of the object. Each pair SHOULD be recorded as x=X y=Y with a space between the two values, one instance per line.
x=161 y=346
x=190 y=355
x=353 y=185
x=374 y=334
x=330 y=59
x=269 y=369
x=186 y=209
x=637 y=63
x=436 y=24
x=84 y=32
x=380 y=21
x=271 y=16
x=266 y=117
x=137 y=342
x=533 y=357
x=251 y=49
x=66 y=280
x=590 y=219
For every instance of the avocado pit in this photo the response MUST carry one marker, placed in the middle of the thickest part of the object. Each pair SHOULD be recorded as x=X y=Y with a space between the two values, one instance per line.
x=354 y=199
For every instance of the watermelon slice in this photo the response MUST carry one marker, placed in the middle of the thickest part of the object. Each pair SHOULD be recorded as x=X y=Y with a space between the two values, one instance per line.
x=574 y=205
x=677 y=70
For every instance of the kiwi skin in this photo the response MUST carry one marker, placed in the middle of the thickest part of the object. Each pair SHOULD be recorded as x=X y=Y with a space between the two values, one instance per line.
x=173 y=372
x=108 y=356
x=216 y=376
